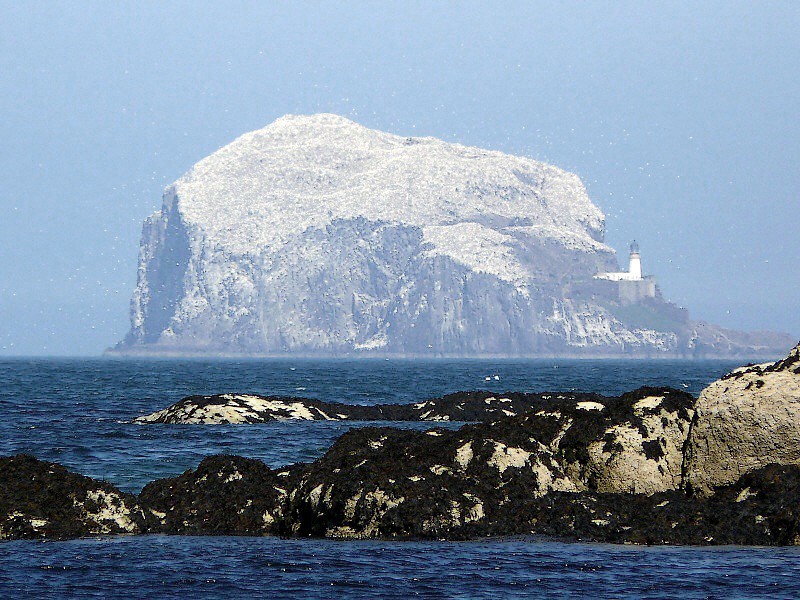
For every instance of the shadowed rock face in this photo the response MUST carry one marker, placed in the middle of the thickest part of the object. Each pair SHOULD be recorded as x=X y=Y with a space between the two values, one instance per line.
x=44 y=500
x=748 y=419
x=761 y=508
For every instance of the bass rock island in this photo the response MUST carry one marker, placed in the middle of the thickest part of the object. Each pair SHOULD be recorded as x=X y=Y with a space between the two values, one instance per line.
x=317 y=236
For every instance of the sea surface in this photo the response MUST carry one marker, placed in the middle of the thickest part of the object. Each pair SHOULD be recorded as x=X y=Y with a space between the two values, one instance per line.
x=78 y=412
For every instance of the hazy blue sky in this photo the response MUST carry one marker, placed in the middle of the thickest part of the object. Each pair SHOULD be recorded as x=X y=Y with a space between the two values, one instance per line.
x=682 y=119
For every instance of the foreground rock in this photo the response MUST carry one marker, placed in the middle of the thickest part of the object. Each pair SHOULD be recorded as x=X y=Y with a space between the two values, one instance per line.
x=624 y=469
x=44 y=500
x=748 y=419
x=223 y=495
x=231 y=495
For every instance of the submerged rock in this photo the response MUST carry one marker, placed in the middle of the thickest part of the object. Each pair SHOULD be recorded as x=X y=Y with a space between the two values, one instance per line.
x=44 y=500
x=746 y=420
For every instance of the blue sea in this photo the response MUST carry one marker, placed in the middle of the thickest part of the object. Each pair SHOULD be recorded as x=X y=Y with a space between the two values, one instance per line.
x=78 y=412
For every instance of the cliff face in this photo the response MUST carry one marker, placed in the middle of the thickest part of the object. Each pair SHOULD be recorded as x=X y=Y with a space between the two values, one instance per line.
x=317 y=235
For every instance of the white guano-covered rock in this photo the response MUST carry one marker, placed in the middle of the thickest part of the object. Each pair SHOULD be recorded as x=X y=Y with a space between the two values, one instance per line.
x=317 y=235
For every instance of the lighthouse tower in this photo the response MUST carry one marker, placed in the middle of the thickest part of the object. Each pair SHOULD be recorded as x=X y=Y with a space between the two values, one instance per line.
x=632 y=286
x=634 y=272
x=635 y=263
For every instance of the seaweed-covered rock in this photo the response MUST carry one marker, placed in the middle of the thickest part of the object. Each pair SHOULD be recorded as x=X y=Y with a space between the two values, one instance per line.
x=383 y=482
x=746 y=420
x=224 y=495
x=761 y=508
x=459 y=406
x=44 y=500
x=252 y=408
x=391 y=499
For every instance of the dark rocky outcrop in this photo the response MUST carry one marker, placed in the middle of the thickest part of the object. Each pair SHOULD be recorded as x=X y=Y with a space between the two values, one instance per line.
x=651 y=466
x=44 y=500
x=229 y=495
x=459 y=406
x=385 y=482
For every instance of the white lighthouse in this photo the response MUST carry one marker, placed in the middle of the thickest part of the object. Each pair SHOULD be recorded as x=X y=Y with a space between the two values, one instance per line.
x=634 y=272
x=635 y=263
x=633 y=286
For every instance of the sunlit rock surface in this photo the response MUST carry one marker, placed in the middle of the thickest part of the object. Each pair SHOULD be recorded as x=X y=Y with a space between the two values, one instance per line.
x=316 y=235
x=746 y=420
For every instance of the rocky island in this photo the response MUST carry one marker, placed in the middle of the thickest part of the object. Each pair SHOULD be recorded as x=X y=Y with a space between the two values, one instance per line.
x=653 y=466
x=318 y=236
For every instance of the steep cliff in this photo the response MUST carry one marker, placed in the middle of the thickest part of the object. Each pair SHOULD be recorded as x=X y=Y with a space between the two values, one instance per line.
x=316 y=235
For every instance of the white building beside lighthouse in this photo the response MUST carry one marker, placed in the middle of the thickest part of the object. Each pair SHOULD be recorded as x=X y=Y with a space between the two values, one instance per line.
x=633 y=286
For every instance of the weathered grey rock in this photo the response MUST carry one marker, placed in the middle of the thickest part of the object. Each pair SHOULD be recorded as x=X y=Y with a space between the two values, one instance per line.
x=638 y=447
x=748 y=419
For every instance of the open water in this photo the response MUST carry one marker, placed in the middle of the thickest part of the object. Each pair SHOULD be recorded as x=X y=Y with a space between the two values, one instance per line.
x=77 y=412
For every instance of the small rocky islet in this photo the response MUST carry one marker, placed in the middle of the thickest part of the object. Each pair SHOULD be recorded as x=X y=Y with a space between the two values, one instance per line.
x=652 y=466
